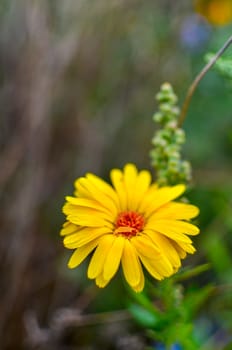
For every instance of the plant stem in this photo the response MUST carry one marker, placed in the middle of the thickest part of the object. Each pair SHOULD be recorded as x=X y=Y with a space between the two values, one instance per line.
x=198 y=78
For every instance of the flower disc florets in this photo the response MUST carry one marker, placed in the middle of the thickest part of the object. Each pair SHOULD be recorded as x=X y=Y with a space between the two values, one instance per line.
x=129 y=223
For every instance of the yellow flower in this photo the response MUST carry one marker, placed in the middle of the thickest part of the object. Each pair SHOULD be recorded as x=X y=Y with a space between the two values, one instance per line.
x=134 y=222
x=217 y=12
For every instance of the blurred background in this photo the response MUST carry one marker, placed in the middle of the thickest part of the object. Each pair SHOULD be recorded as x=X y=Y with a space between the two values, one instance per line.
x=77 y=85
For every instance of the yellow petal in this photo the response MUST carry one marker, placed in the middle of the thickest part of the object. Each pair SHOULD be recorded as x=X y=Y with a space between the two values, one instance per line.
x=158 y=268
x=186 y=247
x=130 y=265
x=100 y=281
x=81 y=253
x=66 y=223
x=139 y=287
x=168 y=232
x=164 y=266
x=68 y=228
x=176 y=230
x=158 y=197
x=113 y=258
x=141 y=186
x=181 y=252
x=81 y=191
x=166 y=247
x=90 y=220
x=144 y=246
x=98 y=259
x=130 y=177
x=175 y=225
x=176 y=211
x=98 y=195
x=116 y=176
x=74 y=210
x=84 y=236
x=150 y=267
x=104 y=187
x=87 y=203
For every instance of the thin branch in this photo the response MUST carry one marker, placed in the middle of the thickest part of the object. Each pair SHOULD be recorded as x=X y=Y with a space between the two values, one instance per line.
x=198 y=78
x=62 y=320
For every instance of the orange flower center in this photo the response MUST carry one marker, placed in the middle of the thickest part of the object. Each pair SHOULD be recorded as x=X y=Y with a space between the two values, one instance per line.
x=129 y=223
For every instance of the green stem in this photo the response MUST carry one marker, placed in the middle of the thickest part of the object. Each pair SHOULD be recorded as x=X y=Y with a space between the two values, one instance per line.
x=198 y=78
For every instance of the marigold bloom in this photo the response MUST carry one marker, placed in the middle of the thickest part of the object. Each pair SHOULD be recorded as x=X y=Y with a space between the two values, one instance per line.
x=217 y=12
x=134 y=222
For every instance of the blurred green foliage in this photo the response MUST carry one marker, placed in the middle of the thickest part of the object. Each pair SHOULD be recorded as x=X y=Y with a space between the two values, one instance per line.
x=167 y=310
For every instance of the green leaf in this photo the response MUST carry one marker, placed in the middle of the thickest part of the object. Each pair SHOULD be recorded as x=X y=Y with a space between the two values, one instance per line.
x=144 y=300
x=219 y=254
x=195 y=298
x=191 y=272
x=223 y=65
x=144 y=317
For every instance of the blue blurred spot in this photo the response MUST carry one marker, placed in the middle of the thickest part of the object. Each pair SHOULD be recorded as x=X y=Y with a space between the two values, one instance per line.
x=161 y=346
x=176 y=347
x=194 y=33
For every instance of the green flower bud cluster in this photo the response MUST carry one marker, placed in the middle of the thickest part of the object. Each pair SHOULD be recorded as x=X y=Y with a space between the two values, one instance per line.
x=168 y=141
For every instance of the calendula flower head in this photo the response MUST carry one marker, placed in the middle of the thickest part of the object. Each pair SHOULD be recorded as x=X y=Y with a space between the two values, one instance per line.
x=133 y=223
